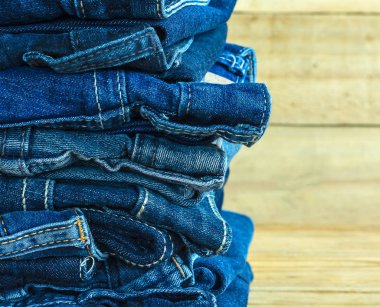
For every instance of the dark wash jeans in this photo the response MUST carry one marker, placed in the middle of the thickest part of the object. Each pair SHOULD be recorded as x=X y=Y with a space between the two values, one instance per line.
x=176 y=279
x=109 y=100
x=75 y=45
x=28 y=11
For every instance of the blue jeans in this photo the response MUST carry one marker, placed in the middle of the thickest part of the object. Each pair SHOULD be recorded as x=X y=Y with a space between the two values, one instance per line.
x=111 y=100
x=75 y=45
x=23 y=11
x=177 y=278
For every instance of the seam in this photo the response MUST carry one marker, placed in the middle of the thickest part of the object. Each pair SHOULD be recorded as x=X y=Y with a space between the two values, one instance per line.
x=138 y=215
x=83 y=238
x=179 y=267
x=158 y=7
x=139 y=222
x=22 y=143
x=63 y=67
x=179 y=5
x=47 y=184
x=102 y=50
x=196 y=132
x=121 y=95
x=265 y=106
x=23 y=198
x=39 y=245
x=97 y=100
x=4 y=142
x=188 y=100
x=82 y=8
x=37 y=233
x=224 y=240
x=3 y=224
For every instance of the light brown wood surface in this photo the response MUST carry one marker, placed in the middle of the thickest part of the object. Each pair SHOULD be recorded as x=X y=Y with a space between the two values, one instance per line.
x=312 y=184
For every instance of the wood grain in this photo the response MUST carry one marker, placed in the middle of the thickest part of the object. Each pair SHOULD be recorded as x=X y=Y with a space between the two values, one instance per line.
x=312 y=184
x=324 y=267
x=321 y=69
x=309 y=6
x=310 y=177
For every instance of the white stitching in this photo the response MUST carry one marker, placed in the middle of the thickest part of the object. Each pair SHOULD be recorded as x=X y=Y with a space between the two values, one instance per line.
x=97 y=99
x=82 y=8
x=158 y=8
x=138 y=215
x=23 y=199
x=176 y=6
x=188 y=101
x=265 y=106
x=22 y=143
x=120 y=95
x=47 y=183
x=222 y=246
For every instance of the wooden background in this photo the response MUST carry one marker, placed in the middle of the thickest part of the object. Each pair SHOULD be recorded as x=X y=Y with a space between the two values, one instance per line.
x=312 y=184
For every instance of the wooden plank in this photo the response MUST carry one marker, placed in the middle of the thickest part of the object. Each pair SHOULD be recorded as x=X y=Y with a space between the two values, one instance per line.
x=309 y=6
x=316 y=267
x=318 y=177
x=321 y=69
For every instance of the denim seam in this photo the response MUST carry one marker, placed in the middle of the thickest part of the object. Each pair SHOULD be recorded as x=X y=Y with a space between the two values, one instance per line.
x=140 y=222
x=47 y=184
x=97 y=100
x=83 y=238
x=108 y=62
x=188 y=100
x=158 y=8
x=142 y=208
x=179 y=267
x=73 y=41
x=198 y=132
x=155 y=151
x=39 y=245
x=179 y=5
x=3 y=225
x=224 y=240
x=54 y=303
x=120 y=95
x=109 y=49
x=82 y=8
x=4 y=142
x=265 y=106
x=38 y=233
x=23 y=197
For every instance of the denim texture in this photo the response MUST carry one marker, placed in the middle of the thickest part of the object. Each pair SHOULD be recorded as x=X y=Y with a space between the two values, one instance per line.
x=112 y=180
x=207 y=282
x=77 y=45
x=29 y=11
x=111 y=100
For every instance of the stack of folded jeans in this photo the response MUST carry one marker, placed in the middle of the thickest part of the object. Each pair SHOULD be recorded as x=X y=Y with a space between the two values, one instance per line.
x=118 y=122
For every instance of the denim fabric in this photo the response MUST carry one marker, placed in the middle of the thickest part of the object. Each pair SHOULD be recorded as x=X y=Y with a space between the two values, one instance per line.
x=29 y=152
x=111 y=99
x=237 y=64
x=75 y=46
x=85 y=50
x=28 y=11
x=210 y=285
x=213 y=235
